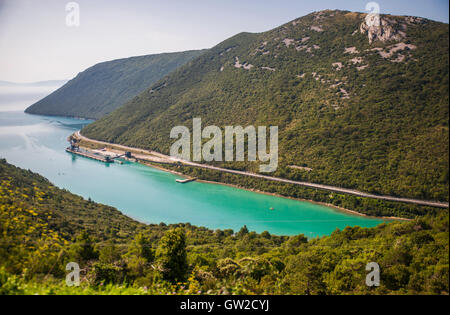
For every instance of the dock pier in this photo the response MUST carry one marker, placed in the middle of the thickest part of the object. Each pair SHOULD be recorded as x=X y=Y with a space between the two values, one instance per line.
x=184 y=181
x=91 y=156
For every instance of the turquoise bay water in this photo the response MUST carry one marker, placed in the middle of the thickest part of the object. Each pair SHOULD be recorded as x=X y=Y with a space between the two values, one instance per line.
x=150 y=195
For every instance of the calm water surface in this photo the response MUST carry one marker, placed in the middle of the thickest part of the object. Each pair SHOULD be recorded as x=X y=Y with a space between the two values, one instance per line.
x=146 y=194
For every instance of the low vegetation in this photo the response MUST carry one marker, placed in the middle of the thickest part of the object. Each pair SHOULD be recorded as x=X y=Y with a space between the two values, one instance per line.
x=43 y=228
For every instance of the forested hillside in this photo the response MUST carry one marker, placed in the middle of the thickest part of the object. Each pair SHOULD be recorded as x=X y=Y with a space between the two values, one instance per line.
x=108 y=85
x=43 y=228
x=357 y=106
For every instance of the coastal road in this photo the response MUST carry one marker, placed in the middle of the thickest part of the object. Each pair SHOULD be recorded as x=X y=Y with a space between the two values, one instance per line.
x=158 y=157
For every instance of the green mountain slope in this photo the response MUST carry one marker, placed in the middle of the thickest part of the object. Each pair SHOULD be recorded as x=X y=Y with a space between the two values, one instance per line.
x=363 y=107
x=69 y=214
x=108 y=85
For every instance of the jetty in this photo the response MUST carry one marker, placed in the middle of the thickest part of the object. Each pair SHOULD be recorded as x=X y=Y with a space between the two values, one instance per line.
x=184 y=181
x=104 y=159
x=101 y=155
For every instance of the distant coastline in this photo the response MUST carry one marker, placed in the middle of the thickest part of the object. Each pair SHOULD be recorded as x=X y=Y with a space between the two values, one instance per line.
x=37 y=84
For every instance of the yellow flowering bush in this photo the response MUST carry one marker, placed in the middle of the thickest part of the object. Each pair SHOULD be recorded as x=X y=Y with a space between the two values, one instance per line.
x=27 y=245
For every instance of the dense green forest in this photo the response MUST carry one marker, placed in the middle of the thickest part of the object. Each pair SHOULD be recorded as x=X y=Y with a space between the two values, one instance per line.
x=360 y=111
x=108 y=85
x=43 y=228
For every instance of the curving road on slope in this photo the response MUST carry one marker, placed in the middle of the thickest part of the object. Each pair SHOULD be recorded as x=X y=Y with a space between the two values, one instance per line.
x=153 y=156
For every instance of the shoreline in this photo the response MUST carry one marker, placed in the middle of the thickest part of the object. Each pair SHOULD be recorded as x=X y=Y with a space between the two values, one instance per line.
x=334 y=207
x=152 y=156
x=340 y=209
x=159 y=166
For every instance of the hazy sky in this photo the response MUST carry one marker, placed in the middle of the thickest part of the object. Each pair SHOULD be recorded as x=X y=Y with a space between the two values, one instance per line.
x=36 y=44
